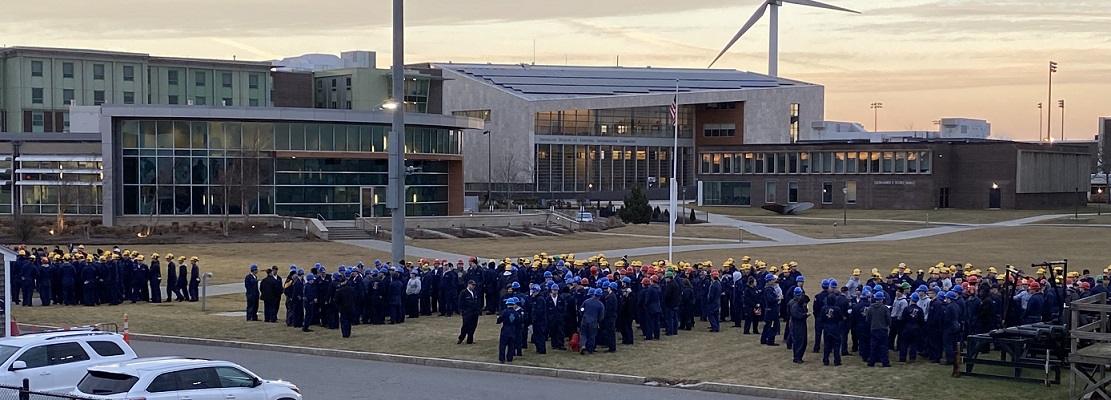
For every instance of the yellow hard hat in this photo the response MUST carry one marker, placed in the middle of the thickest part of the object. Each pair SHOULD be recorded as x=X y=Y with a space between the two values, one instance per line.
x=89 y=258
x=856 y=271
x=103 y=258
x=894 y=271
x=991 y=270
x=139 y=257
x=773 y=269
x=508 y=267
x=169 y=256
x=181 y=259
x=23 y=252
x=194 y=258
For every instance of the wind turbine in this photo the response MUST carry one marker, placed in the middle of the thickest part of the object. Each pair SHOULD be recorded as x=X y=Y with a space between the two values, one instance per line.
x=773 y=42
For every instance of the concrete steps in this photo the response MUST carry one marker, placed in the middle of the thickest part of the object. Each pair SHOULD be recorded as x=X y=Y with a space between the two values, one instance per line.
x=347 y=233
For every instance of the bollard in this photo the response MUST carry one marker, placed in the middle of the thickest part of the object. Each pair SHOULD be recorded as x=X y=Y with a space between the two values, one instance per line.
x=25 y=391
x=204 y=288
x=126 y=331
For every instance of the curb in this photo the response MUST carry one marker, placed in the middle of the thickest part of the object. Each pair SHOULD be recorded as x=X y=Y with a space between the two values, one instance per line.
x=745 y=390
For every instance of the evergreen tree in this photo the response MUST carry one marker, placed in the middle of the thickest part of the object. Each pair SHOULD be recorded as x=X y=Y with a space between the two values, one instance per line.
x=636 y=209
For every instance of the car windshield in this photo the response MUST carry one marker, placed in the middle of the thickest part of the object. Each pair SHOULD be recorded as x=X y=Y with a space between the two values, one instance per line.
x=6 y=352
x=105 y=383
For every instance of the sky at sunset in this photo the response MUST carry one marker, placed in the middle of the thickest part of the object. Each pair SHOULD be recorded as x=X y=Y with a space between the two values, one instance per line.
x=924 y=59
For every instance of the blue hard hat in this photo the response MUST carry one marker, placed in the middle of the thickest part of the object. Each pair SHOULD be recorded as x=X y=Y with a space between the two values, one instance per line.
x=377 y=262
x=292 y=267
x=941 y=294
x=553 y=286
x=914 y=297
x=414 y=272
x=347 y=273
x=921 y=288
x=613 y=285
x=825 y=283
x=374 y=271
x=317 y=265
x=603 y=280
x=952 y=295
x=359 y=264
x=534 y=288
x=769 y=277
x=547 y=274
x=515 y=285
x=598 y=292
x=958 y=289
x=799 y=279
x=342 y=268
x=254 y=267
x=878 y=295
x=626 y=279
x=798 y=291
x=833 y=283
x=559 y=263
x=866 y=292
x=337 y=276
x=300 y=271
x=511 y=300
x=877 y=288
x=310 y=277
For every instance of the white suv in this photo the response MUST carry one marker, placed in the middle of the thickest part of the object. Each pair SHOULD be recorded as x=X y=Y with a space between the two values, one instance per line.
x=166 y=378
x=56 y=361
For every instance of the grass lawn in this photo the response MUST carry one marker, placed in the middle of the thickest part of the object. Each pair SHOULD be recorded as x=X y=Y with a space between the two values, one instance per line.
x=942 y=215
x=853 y=230
x=693 y=231
x=582 y=244
x=229 y=262
x=1092 y=219
x=1019 y=246
x=728 y=357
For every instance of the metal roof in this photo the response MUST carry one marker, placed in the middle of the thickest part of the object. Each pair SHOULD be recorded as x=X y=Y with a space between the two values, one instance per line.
x=536 y=82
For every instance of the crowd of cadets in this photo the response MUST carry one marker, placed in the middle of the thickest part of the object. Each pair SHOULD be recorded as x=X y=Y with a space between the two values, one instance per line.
x=585 y=304
x=73 y=276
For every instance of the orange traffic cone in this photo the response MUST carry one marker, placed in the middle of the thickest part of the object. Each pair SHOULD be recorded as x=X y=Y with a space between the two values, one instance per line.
x=14 y=328
x=126 y=331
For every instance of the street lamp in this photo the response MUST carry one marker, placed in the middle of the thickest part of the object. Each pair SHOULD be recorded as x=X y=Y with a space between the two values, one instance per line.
x=1099 y=206
x=1061 y=105
x=876 y=106
x=1049 y=102
x=489 y=168
x=396 y=167
x=845 y=218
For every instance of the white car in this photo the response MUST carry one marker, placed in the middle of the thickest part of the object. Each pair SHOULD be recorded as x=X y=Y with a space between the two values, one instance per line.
x=166 y=378
x=585 y=217
x=56 y=361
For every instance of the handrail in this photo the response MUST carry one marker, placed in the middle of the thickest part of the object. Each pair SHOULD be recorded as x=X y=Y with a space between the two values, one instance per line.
x=320 y=217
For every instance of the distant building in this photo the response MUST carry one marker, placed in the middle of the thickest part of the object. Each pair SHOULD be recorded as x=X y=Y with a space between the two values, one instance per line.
x=37 y=85
x=948 y=128
x=567 y=132
x=911 y=174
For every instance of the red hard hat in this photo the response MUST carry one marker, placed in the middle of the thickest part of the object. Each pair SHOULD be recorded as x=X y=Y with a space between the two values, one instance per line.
x=594 y=270
x=973 y=279
x=714 y=273
x=1085 y=285
x=585 y=281
x=1068 y=281
x=1034 y=285
x=645 y=281
x=655 y=278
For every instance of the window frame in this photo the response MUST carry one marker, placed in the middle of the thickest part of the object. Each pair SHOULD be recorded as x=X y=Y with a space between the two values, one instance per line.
x=770 y=192
x=40 y=67
x=129 y=73
x=792 y=192
x=827 y=192
x=38 y=96
x=102 y=99
x=98 y=72
x=118 y=351
x=67 y=69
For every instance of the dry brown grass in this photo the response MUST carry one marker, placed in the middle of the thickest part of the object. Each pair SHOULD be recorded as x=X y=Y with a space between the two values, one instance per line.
x=229 y=262
x=579 y=243
x=693 y=231
x=1019 y=246
x=696 y=355
x=941 y=215
x=853 y=230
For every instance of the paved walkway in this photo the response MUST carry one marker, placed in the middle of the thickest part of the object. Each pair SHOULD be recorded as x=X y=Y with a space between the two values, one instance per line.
x=776 y=237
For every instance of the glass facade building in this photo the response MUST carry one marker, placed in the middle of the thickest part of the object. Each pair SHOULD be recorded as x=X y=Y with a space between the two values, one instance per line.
x=334 y=170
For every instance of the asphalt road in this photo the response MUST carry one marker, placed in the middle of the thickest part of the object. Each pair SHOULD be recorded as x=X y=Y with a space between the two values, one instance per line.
x=340 y=378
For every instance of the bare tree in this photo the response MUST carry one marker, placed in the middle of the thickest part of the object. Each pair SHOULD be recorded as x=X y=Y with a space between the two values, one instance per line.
x=240 y=184
x=68 y=197
x=515 y=169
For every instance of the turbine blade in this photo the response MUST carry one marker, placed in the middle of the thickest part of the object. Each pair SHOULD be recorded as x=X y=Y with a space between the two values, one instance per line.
x=748 y=25
x=818 y=4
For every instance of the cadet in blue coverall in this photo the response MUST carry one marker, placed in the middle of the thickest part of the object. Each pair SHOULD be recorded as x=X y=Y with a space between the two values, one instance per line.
x=914 y=318
x=830 y=321
x=712 y=301
x=554 y=307
x=155 y=279
x=819 y=303
x=771 y=312
x=250 y=284
x=608 y=331
x=309 y=302
x=879 y=321
x=799 y=314
x=88 y=282
x=592 y=313
x=29 y=272
x=69 y=280
x=538 y=317
x=510 y=322
x=952 y=327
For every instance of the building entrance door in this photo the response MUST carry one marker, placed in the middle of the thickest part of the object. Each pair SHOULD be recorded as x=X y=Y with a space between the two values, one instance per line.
x=369 y=206
x=943 y=198
x=994 y=198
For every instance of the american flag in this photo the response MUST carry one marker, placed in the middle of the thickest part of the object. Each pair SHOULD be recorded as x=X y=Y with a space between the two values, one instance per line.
x=675 y=110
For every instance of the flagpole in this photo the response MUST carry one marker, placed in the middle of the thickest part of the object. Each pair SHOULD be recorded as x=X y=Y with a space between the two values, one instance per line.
x=674 y=183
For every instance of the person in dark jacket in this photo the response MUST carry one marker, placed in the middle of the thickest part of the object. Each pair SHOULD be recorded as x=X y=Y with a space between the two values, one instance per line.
x=171 y=278
x=951 y=328
x=181 y=287
x=154 y=280
x=29 y=272
x=913 y=320
x=510 y=321
x=831 y=318
x=753 y=309
x=271 y=293
x=672 y=296
x=140 y=277
x=713 y=301
x=345 y=302
x=688 y=305
x=397 y=299
x=554 y=307
x=68 y=279
x=771 y=312
x=879 y=322
x=470 y=307
x=309 y=301
x=538 y=318
x=194 y=279
x=88 y=282
x=608 y=332
x=449 y=292
x=593 y=311
x=653 y=309
x=626 y=314
x=799 y=314
x=250 y=284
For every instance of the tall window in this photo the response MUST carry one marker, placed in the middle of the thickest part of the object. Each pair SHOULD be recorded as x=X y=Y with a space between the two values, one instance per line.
x=67 y=70
x=38 y=121
x=172 y=99
x=769 y=192
x=252 y=82
x=794 y=122
x=98 y=97
x=171 y=77
x=98 y=72
x=200 y=78
x=827 y=192
x=226 y=78
x=36 y=95
x=128 y=97
x=36 y=68
x=850 y=192
x=65 y=122
x=792 y=192
x=128 y=73
x=67 y=96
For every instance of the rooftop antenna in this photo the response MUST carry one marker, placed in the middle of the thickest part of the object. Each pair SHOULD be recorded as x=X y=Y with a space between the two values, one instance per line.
x=533 y=51
x=773 y=38
x=618 y=60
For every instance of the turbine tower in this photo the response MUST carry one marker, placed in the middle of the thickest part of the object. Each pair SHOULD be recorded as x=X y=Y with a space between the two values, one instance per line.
x=773 y=38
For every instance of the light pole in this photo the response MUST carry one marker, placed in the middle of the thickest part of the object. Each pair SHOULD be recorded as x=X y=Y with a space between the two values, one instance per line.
x=845 y=200
x=1061 y=105
x=396 y=197
x=1049 y=100
x=1041 y=118
x=1099 y=206
x=876 y=106
x=489 y=168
